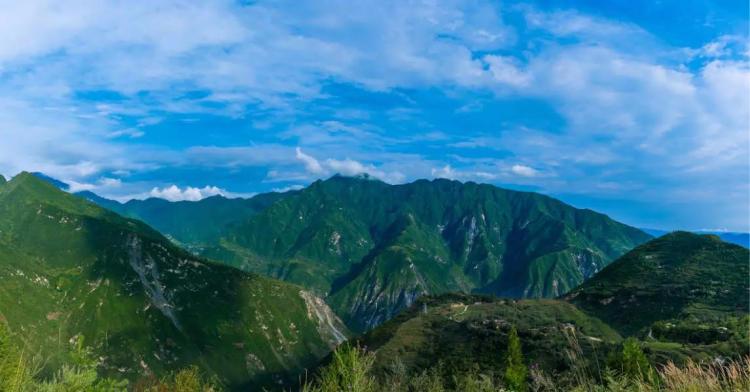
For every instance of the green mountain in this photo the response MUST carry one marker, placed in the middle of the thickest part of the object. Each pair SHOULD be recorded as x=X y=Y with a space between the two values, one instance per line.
x=195 y=224
x=684 y=295
x=469 y=333
x=373 y=248
x=737 y=238
x=682 y=288
x=72 y=270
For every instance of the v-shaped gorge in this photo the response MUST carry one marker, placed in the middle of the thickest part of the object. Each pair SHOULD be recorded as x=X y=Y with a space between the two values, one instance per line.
x=71 y=270
x=371 y=248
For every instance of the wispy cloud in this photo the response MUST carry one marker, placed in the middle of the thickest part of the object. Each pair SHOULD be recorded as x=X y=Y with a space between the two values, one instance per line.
x=284 y=92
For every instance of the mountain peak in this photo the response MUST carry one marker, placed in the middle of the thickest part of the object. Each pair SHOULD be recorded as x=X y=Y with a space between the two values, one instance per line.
x=55 y=182
x=2 y=180
x=658 y=280
x=352 y=178
x=687 y=239
x=28 y=180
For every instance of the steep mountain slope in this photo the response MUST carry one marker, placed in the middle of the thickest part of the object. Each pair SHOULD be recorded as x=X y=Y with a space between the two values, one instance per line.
x=70 y=270
x=681 y=287
x=468 y=332
x=373 y=247
x=194 y=224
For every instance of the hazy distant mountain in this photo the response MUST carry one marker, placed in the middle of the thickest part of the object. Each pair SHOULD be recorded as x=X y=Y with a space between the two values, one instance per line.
x=71 y=269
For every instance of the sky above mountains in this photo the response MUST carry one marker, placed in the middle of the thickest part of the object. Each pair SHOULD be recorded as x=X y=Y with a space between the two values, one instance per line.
x=640 y=110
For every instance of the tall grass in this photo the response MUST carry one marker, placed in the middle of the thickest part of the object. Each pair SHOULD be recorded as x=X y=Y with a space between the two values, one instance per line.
x=351 y=370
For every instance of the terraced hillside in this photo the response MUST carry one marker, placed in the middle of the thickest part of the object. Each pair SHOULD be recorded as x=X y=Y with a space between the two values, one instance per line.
x=71 y=270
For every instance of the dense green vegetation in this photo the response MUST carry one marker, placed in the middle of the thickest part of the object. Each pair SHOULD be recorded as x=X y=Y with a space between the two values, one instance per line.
x=465 y=333
x=70 y=269
x=192 y=224
x=373 y=248
x=685 y=294
x=94 y=301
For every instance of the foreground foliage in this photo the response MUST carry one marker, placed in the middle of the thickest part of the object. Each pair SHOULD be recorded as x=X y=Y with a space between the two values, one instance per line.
x=351 y=370
x=19 y=372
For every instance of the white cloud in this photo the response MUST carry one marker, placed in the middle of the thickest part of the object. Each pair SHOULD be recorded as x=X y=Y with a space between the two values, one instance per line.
x=285 y=189
x=506 y=70
x=104 y=184
x=524 y=171
x=132 y=133
x=110 y=182
x=444 y=172
x=450 y=173
x=174 y=193
x=347 y=167
x=311 y=164
x=630 y=105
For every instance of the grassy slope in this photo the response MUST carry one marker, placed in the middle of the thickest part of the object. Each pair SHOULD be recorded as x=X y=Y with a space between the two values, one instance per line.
x=678 y=289
x=70 y=268
x=463 y=331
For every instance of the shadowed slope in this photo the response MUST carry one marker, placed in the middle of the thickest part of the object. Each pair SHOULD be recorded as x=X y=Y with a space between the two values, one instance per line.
x=69 y=268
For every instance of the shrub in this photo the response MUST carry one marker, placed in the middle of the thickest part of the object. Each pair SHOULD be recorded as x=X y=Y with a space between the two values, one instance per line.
x=634 y=363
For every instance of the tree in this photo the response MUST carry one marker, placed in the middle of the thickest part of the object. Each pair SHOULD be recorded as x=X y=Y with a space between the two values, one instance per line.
x=634 y=363
x=516 y=371
x=349 y=371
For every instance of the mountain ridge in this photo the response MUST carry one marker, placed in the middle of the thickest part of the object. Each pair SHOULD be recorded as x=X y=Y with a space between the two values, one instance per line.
x=371 y=248
x=455 y=235
x=74 y=270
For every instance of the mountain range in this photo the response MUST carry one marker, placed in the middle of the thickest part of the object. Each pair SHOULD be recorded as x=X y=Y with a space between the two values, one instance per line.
x=371 y=248
x=254 y=291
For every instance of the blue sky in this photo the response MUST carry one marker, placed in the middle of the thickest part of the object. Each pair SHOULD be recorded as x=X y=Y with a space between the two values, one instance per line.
x=639 y=110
